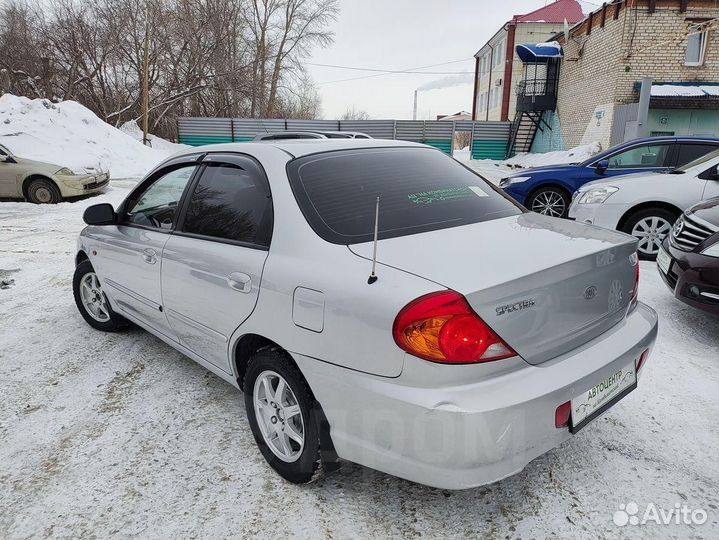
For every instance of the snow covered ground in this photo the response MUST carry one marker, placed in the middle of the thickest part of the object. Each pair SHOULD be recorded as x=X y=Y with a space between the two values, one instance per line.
x=70 y=135
x=118 y=434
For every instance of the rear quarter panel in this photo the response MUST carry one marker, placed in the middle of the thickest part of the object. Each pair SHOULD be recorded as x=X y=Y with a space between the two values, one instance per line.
x=356 y=331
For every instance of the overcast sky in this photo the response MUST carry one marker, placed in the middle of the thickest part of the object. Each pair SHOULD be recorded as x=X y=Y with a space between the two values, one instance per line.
x=402 y=34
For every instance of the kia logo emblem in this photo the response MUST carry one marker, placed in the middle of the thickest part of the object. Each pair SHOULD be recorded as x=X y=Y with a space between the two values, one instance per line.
x=590 y=292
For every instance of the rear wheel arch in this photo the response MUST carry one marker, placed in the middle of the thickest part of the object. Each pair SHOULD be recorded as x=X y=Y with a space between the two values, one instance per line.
x=245 y=347
x=646 y=206
x=250 y=344
x=81 y=256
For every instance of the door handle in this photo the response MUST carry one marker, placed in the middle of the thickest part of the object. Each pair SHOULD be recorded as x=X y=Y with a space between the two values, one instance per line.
x=149 y=256
x=240 y=281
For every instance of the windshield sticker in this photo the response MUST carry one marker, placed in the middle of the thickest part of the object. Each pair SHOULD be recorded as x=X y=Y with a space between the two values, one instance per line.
x=478 y=191
x=446 y=194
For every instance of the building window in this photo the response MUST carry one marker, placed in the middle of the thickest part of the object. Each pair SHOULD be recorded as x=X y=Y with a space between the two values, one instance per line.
x=696 y=46
x=495 y=97
x=484 y=64
x=498 y=57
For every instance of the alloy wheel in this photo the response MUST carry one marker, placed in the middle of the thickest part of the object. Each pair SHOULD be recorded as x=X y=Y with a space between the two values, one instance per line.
x=279 y=416
x=549 y=203
x=93 y=298
x=650 y=231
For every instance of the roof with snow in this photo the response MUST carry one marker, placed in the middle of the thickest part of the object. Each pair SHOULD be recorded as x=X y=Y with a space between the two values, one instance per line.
x=555 y=13
x=682 y=90
x=539 y=52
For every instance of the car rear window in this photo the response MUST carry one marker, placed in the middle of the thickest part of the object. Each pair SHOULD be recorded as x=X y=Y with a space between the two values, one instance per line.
x=420 y=190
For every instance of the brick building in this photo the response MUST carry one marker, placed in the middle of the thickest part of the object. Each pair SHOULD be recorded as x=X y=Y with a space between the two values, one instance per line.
x=675 y=42
x=497 y=66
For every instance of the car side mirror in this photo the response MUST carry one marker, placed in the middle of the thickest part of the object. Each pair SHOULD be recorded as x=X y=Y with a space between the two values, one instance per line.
x=100 y=214
x=7 y=159
x=602 y=166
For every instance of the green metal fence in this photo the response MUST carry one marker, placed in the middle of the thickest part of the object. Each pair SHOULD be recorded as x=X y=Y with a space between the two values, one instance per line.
x=489 y=139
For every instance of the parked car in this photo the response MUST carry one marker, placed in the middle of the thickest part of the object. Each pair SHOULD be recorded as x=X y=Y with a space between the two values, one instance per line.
x=344 y=135
x=281 y=135
x=548 y=190
x=647 y=205
x=286 y=135
x=39 y=182
x=688 y=260
x=479 y=337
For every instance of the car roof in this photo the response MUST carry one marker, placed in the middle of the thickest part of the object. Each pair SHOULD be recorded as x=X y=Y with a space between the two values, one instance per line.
x=302 y=147
x=648 y=140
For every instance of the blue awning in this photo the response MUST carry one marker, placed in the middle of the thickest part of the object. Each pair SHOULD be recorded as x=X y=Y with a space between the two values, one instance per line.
x=539 y=52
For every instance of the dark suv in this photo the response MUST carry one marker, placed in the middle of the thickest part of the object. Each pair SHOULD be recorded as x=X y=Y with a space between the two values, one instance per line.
x=688 y=260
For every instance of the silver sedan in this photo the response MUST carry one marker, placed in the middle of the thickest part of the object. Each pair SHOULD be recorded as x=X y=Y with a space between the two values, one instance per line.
x=376 y=301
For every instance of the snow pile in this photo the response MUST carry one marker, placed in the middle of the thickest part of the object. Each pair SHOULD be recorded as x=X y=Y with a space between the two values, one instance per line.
x=70 y=135
x=157 y=143
x=574 y=155
x=494 y=170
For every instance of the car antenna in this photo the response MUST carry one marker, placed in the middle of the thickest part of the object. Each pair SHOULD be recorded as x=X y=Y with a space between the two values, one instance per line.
x=373 y=277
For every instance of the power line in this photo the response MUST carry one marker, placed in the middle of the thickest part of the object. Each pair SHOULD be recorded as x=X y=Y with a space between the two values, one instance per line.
x=408 y=70
x=388 y=70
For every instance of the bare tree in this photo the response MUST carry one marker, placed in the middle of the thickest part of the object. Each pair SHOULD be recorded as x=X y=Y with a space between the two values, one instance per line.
x=353 y=113
x=206 y=57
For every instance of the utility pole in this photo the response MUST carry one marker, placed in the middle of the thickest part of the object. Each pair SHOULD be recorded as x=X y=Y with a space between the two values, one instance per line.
x=146 y=77
x=645 y=95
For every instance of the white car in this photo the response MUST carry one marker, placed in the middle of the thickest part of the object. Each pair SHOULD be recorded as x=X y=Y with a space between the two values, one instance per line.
x=376 y=300
x=646 y=205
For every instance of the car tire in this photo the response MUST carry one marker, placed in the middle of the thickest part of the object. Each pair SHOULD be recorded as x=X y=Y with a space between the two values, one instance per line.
x=649 y=226
x=270 y=422
x=550 y=201
x=43 y=191
x=92 y=302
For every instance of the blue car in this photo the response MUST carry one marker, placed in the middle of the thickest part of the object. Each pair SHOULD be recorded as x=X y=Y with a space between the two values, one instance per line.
x=548 y=190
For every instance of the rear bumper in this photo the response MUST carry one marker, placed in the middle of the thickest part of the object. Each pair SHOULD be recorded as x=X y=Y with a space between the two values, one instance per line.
x=462 y=435
x=693 y=278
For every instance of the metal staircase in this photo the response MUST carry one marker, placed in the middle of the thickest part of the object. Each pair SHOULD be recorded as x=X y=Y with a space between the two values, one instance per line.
x=524 y=129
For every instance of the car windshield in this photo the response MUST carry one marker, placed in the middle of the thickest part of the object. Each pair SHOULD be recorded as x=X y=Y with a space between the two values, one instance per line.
x=419 y=189
x=699 y=161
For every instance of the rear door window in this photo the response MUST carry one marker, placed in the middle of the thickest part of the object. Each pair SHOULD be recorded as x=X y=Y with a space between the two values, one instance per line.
x=230 y=203
x=691 y=151
x=419 y=189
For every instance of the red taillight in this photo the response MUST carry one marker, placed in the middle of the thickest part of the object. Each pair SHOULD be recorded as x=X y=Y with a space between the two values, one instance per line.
x=562 y=415
x=642 y=360
x=635 y=290
x=442 y=327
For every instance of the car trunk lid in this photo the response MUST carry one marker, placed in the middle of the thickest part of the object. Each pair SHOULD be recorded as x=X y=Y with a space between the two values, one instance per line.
x=545 y=285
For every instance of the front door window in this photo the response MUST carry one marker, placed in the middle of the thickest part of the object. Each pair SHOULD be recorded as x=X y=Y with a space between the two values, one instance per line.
x=157 y=205
x=640 y=157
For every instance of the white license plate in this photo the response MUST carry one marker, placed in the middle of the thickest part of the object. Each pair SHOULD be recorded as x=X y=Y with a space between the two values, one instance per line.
x=664 y=260
x=606 y=392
